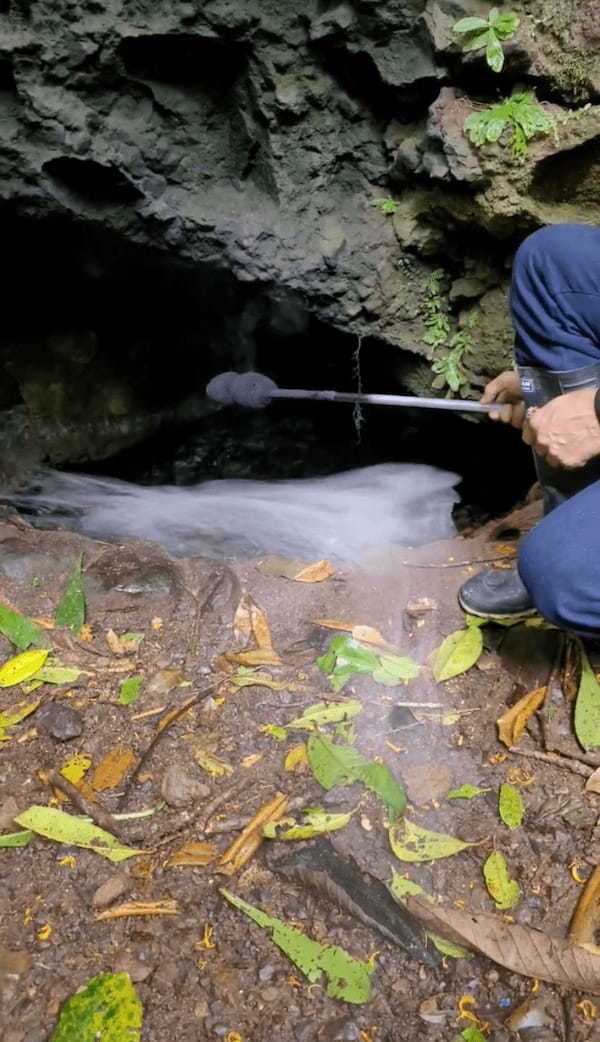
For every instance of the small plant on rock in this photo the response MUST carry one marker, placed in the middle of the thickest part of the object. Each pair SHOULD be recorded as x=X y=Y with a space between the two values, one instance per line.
x=449 y=348
x=436 y=310
x=488 y=33
x=386 y=205
x=521 y=113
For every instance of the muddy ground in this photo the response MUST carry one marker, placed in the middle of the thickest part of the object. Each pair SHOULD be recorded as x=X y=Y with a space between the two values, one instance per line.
x=231 y=981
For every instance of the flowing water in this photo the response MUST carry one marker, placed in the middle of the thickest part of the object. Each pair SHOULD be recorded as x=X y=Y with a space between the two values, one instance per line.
x=338 y=516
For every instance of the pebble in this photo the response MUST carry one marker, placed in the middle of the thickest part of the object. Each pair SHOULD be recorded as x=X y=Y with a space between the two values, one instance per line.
x=271 y=994
x=139 y=971
x=178 y=788
x=9 y=808
x=112 y=888
x=265 y=974
x=342 y=1029
x=60 y=721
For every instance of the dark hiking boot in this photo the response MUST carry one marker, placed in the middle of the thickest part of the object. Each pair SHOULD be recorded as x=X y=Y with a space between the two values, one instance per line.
x=497 y=595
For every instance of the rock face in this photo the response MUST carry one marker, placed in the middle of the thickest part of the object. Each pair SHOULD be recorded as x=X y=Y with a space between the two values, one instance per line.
x=184 y=182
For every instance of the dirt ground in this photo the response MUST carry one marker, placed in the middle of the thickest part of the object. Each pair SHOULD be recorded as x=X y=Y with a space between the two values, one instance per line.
x=208 y=972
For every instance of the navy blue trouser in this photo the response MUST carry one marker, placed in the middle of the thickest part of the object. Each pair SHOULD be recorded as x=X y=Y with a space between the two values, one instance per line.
x=555 y=303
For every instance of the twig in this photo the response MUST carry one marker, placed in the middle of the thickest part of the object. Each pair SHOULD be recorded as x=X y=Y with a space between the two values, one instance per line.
x=557 y=761
x=103 y=818
x=567 y=1020
x=207 y=810
x=457 y=564
x=163 y=725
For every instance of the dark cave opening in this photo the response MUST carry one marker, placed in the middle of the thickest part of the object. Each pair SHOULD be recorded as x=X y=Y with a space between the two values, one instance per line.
x=184 y=59
x=121 y=334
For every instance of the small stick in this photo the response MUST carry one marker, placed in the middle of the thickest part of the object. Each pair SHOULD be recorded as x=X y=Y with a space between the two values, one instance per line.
x=207 y=811
x=457 y=564
x=103 y=818
x=553 y=758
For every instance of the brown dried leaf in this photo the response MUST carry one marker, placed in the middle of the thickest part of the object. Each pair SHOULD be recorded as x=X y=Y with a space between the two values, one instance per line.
x=251 y=621
x=505 y=549
x=571 y=673
x=253 y=657
x=518 y=948
x=512 y=723
x=335 y=624
x=593 y=782
x=192 y=854
x=112 y=769
x=315 y=573
x=45 y=624
x=116 y=645
x=369 y=635
x=165 y=907
x=250 y=839
x=586 y=918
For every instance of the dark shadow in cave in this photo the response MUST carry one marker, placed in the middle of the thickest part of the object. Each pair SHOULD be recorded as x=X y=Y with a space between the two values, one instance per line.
x=92 y=182
x=183 y=59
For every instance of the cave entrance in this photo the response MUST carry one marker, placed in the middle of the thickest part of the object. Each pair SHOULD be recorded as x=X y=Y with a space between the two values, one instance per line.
x=109 y=346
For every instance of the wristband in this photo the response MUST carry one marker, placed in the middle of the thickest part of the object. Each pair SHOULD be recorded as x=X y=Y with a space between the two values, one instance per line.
x=597 y=404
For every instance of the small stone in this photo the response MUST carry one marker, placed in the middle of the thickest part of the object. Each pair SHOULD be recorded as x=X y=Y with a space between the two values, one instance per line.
x=60 y=721
x=342 y=1029
x=9 y=808
x=179 y=789
x=115 y=886
x=265 y=974
x=270 y=994
x=139 y=971
x=425 y=782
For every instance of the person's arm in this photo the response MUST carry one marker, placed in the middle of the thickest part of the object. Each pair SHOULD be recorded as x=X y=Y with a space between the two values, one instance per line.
x=565 y=431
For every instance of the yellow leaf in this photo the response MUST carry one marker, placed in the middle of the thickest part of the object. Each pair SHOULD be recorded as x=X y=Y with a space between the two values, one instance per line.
x=157 y=624
x=44 y=932
x=164 y=907
x=75 y=767
x=410 y=842
x=253 y=657
x=369 y=635
x=21 y=667
x=14 y=715
x=315 y=573
x=211 y=763
x=249 y=761
x=86 y=633
x=296 y=757
x=512 y=723
x=112 y=768
x=251 y=621
x=192 y=854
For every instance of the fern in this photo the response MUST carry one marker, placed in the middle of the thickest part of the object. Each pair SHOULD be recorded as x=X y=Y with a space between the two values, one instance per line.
x=520 y=113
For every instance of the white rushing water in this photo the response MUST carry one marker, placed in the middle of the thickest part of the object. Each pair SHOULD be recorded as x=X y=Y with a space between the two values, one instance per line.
x=338 y=516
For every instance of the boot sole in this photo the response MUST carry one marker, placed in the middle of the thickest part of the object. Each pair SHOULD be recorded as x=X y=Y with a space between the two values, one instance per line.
x=514 y=616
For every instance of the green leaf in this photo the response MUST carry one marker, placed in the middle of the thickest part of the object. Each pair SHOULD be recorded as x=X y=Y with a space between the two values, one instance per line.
x=22 y=667
x=59 y=674
x=14 y=715
x=465 y=792
x=476 y=41
x=317 y=821
x=504 y=890
x=334 y=764
x=326 y=713
x=587 y=707
x=510 y=806
x=400 y=666
x=469 y=25
x=506 y=25
x=130 y=690
x=18 y=629
x=275 y=731
x=16 y=839
x=473 y=1035
x=411 y=843
x=457 y=653
x=71 y=610
x=494 y=55
x=347 y=978
x=65 y=828
x=132 y=638
x=106 y=1010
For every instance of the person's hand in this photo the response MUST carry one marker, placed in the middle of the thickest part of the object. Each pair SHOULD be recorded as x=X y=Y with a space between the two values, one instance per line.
x=506 y=390
x=566 y=431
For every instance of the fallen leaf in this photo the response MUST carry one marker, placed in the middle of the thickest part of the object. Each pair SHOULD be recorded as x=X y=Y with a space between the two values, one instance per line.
x=18 y=629
x=472 y=1034
x=333 y=764
x=86 y=633
x=21 y=667
x=530 y=1014
x=251 y=837
x=316 y=823
x=505 y=891
x=335 y=624
x=296 y=757
x=593 y=782
x=510 y=806
x=210 y=763
x=275 y=730
x=369 y=635
x=315 y=573
x=249 y=761
x=76 y=767
x=71 y=610
x=253 y=657
x=250 y=620
x=157 y=624
x=117 y=645
x=587 y=707
x=16 y=839
x=465 y=792
x=14 y=715
x=511 y=725
x=457 y=653
x=324 y=713
x=107 y=1008
x=122 y=911
x=130 y=690
x=395 y=669
x=247 y=677
x=192 y=854
x=410 y=843
x=519 y=949
x=280 y=567
x=65 y=828
x=112 y=769
x=57 y=674
x=586 y=918
x=347 y=977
